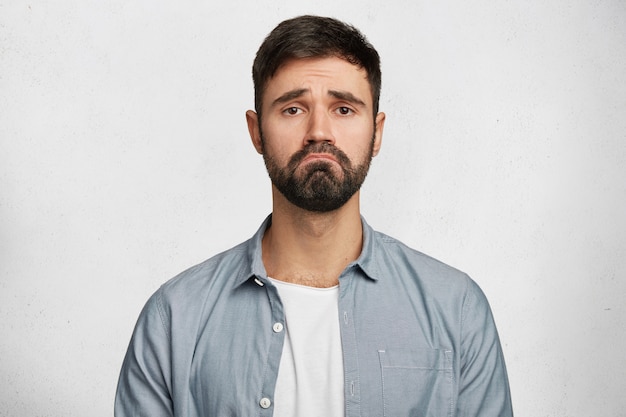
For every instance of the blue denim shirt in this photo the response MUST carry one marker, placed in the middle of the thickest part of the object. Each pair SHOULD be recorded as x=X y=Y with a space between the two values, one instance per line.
x=418 y=339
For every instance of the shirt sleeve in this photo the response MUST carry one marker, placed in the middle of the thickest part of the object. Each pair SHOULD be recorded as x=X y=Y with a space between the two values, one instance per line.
x=144 y=386
x=483 y=386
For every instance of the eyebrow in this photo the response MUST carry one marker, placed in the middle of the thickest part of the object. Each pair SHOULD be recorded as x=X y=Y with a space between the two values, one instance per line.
x=347 y=96
x=341 y=95
x=289 y=95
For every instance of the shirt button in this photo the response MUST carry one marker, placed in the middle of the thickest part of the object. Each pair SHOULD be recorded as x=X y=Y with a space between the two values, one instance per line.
x=277 y=327
x=265 y=402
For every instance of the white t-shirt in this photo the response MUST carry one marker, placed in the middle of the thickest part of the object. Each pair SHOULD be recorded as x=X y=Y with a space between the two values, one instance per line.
x=310 y=378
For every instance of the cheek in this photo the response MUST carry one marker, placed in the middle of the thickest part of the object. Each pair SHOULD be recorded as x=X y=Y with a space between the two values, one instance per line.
x=275 y=140
x=355 y=140
x=277 y=149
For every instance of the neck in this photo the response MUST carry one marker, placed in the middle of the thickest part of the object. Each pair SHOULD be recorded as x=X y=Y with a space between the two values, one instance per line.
x=310 y=248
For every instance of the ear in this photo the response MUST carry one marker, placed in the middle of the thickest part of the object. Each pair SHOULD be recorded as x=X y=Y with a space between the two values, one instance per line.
x=378 y=133
x=255 y=132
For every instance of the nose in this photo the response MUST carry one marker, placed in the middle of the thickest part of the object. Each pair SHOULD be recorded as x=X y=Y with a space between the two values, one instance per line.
x=319 y=127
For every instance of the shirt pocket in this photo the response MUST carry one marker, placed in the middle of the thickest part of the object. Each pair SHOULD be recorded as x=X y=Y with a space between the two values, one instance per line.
x=417 y=382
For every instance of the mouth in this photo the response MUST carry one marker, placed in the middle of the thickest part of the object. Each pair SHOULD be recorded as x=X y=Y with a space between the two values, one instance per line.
x=314 y=157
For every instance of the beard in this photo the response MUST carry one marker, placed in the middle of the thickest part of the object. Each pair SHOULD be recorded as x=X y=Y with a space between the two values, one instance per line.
x=319 y=186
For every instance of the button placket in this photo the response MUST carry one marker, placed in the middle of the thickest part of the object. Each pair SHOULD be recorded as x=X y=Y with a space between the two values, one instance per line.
x=277 y=324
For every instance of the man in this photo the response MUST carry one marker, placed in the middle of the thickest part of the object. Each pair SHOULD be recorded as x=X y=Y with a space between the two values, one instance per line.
x=317 y=314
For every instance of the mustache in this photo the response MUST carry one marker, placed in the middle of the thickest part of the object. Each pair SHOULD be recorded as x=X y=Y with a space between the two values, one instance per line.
x=320 y=147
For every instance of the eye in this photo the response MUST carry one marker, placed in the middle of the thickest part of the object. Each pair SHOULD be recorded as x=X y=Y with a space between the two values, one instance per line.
x=344 y=111
x=292 y=111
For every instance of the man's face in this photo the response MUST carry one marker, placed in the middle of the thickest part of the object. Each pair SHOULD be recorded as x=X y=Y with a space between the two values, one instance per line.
x=317 y=133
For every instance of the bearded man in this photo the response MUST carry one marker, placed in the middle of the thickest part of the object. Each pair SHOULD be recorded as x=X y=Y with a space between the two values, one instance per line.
x=317 y=314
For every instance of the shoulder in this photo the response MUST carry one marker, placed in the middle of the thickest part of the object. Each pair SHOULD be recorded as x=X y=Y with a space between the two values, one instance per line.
x=433 y=276
x=429 y=279
x=180 y=305
x=219 y=273
x=408 y=257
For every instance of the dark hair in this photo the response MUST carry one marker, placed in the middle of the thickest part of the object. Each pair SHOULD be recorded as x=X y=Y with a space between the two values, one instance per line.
x=311 y=37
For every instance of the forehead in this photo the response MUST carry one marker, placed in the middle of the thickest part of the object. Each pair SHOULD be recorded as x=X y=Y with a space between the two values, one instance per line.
x=319 y=75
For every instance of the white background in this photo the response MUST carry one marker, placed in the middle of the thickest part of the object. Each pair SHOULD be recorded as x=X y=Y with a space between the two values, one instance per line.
x=125 y=159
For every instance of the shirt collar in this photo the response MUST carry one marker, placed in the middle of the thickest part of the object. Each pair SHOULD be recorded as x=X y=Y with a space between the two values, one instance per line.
x=253 y=265
x=368 y=261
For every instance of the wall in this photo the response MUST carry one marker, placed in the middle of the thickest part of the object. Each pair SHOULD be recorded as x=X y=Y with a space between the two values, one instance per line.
x=125 y=159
